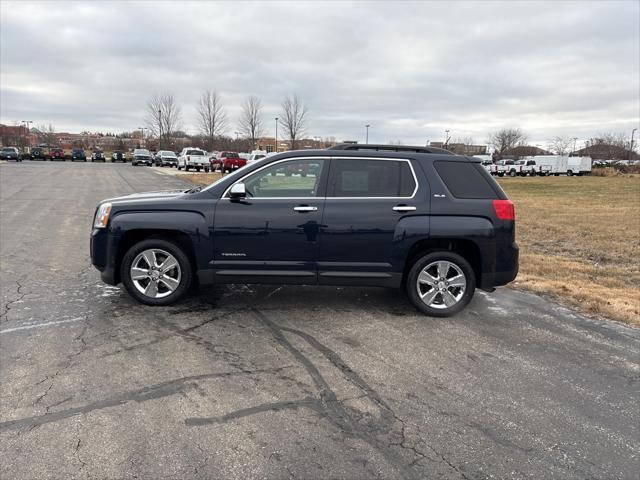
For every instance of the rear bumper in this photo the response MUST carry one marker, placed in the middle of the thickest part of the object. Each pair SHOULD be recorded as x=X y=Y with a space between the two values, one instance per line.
x=507 y=266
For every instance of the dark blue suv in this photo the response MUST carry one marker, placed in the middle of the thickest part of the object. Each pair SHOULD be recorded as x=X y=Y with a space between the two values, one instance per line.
x=422 y=219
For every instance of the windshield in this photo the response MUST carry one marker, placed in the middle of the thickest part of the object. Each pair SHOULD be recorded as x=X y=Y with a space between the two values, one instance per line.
x=166 y=154
x=195 y=152
x=7 y=149
x=230 y=155
x=141 y=152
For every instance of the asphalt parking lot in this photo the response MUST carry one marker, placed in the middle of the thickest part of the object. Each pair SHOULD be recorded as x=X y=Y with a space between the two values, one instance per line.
x=285 y=382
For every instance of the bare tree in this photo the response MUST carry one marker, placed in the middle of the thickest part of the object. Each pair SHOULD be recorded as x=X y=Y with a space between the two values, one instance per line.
x=250 y=122
x=294 y=119
x=507 y=138
x=211 y=116
x=48 y=134
x=560 y=145
x=164 y=116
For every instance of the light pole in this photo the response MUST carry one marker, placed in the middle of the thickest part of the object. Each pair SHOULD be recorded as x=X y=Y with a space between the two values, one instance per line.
x=631 y=146
x=446 y=137
x=276 y=135
x=159 y=129
x=142 y=129
x=367 y=140
x=575 y=139
x=237 y=134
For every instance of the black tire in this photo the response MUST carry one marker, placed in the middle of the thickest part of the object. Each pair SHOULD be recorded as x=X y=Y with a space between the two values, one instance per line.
x=569 y=173
x=411 y=286
x=186 y=168
x=175 y=250
x=206 y=170
x=197 y=169
x=512 y=173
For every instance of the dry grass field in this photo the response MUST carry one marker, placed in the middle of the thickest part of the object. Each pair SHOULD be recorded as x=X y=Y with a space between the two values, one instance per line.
x=579 y=240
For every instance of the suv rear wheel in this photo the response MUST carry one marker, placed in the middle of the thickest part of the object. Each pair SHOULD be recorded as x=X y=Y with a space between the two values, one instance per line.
x=156 y=272
x=440 y=284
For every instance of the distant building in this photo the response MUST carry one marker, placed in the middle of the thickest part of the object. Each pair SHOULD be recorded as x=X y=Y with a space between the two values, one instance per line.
x=461 y=148
x=605 y=151
x=15 y=136
x=268 y=144
x=524 y=151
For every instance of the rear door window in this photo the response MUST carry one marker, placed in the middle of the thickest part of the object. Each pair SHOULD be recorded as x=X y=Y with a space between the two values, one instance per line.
x=371 y=178
x=465 y=179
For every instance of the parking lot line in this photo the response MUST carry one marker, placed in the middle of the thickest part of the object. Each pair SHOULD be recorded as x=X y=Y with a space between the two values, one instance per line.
x=40 y=325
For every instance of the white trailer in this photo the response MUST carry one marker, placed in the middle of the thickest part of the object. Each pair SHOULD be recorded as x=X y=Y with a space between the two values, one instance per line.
x=558 y=164
x=579 y=166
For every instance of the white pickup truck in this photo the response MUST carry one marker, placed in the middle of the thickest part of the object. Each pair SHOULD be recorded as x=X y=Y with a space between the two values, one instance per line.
x=193 y=158
x=532 y=168
x=507 y=167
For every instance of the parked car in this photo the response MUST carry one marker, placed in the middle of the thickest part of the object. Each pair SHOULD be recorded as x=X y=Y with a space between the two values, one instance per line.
x=166 y=158
x=228 y=162
x=57 y=154
x=38 y=153
x=118 y=156
x=256 y=155
x=98 y=156
x=78 y=154
x=430 y=222
x=10 y=153
x=193 y=158
x=141 y=156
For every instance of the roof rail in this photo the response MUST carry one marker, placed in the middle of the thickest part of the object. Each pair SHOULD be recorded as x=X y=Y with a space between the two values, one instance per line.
x=389 y=148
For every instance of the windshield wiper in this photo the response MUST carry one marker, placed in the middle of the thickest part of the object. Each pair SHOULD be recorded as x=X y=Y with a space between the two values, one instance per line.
x=194 y=189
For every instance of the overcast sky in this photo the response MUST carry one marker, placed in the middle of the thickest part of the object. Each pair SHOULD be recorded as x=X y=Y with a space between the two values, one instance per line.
x=411 y=70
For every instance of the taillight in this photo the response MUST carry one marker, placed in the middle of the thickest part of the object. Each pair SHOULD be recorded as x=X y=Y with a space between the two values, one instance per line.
x=188 y=158
x=504 y=209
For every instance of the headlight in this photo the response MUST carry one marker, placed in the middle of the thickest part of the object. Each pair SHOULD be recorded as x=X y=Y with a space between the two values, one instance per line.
x=102 y=217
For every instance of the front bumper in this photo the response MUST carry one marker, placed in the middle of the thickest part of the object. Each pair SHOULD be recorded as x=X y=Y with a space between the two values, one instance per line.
x=103 y=249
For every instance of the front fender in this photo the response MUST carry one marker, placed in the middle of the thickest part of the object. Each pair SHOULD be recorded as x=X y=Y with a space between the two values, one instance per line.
x=192 y=224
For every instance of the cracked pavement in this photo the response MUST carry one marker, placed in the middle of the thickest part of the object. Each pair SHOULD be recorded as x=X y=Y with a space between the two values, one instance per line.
x=285 y=382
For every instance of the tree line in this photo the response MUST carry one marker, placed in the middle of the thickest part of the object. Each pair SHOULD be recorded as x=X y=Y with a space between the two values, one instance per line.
x=609 y=145
x=164 y=119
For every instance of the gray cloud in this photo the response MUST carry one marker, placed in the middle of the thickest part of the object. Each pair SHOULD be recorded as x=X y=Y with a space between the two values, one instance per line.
x=411 y=69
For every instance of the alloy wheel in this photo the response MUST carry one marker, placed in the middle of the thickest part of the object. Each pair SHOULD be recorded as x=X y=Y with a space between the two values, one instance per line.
x=441 y=284
x=155 y=273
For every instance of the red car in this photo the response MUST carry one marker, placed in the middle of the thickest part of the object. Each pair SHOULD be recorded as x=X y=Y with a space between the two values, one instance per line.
x=227 y=162
x=57 y=154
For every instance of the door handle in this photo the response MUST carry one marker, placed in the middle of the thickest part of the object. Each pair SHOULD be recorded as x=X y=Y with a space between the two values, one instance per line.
x=305 y=208
x=403 y=208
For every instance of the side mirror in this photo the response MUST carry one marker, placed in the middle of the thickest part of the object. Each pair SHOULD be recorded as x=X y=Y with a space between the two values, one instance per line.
x=238 y=191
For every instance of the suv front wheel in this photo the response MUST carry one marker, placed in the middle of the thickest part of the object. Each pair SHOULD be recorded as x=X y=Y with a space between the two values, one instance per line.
x=156 y=272
x=440 y=284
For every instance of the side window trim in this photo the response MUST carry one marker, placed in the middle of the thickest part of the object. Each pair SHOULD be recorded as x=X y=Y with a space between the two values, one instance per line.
x=322 y=182
x=399 y=160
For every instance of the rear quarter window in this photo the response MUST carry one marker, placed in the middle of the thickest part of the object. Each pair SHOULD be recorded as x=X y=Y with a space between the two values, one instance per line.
x=465 y=180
